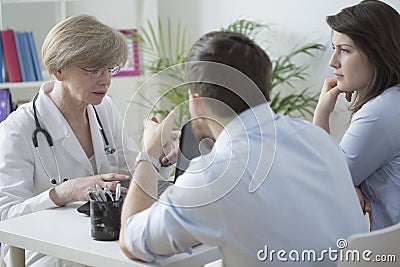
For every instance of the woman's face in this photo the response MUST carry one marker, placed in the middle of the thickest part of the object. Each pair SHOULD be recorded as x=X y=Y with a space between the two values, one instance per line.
x=352 y=68
x=84 y=87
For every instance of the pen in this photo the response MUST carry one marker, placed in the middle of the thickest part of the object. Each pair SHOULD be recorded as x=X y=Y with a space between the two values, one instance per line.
x=102 y=199
x=92 y=194
x=108 y=193
x=100 y=193
x=118 y=192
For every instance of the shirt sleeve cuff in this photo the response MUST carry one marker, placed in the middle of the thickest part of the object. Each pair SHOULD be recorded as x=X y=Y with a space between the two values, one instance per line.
x=166 y=171
x=45 y=201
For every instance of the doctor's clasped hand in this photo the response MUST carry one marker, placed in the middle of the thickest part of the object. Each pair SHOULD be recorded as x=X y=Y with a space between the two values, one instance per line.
x=76 y=189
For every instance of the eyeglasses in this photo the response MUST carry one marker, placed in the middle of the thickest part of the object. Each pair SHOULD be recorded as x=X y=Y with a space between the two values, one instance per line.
x=96 y=73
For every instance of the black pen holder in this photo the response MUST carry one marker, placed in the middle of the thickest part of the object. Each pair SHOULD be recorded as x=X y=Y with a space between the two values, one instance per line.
x=105 y=219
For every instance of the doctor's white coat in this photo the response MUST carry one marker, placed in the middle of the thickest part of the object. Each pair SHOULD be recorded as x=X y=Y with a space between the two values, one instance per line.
x=24 y=185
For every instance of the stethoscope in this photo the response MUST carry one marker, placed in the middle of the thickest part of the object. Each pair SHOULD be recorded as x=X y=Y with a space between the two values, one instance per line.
x=107 y=149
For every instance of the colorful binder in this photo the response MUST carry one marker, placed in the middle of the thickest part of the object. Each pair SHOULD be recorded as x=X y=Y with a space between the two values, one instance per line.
x=5 y=104
x=30 y=71
x=1 y=61
x=35 y=58
x=21 y=56
x=10 y=55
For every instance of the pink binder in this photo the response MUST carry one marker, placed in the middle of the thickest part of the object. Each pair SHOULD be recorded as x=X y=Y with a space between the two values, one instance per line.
x=10 y=55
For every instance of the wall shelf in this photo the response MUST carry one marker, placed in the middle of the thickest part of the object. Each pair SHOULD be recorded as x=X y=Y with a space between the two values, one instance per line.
x=22 y=85
x=33 y=1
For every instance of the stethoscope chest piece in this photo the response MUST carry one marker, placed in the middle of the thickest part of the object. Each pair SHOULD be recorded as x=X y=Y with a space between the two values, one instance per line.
x=54 y=181
x=109 y=150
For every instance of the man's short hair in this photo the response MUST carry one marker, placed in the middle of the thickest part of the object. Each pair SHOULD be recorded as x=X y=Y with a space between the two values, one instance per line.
x=238 y=52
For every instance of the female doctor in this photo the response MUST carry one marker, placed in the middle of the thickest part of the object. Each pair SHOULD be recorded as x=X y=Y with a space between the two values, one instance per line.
x=70 y=137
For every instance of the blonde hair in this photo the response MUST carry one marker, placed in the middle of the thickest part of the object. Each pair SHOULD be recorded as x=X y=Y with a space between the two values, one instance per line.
x=84 y=41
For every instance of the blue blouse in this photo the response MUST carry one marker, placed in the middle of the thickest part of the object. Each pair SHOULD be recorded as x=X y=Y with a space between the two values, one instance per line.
x=372 y=149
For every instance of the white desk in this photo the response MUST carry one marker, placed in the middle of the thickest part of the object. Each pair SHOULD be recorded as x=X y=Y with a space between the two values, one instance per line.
x=64 y=233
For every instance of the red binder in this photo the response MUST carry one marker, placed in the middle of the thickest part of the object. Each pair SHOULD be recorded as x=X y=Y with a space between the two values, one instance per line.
x=10 y=55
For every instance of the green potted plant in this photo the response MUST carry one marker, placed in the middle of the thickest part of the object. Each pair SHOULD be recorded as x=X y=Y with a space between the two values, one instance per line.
x=162 y=50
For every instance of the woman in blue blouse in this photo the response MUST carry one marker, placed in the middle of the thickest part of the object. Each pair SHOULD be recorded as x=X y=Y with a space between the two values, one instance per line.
x=366 y=64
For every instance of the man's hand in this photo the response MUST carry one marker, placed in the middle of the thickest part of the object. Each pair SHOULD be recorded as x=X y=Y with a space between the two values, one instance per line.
x=171 y=149
x=156 y=137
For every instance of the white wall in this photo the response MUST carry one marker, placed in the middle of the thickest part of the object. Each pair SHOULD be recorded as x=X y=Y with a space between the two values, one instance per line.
x=119 y=13
x=293 y=22
x=20 y=17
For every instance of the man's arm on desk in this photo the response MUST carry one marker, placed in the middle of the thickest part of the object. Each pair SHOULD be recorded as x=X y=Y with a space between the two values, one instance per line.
x=141 y=195
x=157 y=232
x=142 y=192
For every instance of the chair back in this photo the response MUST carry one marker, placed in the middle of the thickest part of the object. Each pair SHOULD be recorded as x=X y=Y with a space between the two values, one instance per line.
x=376 y=248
